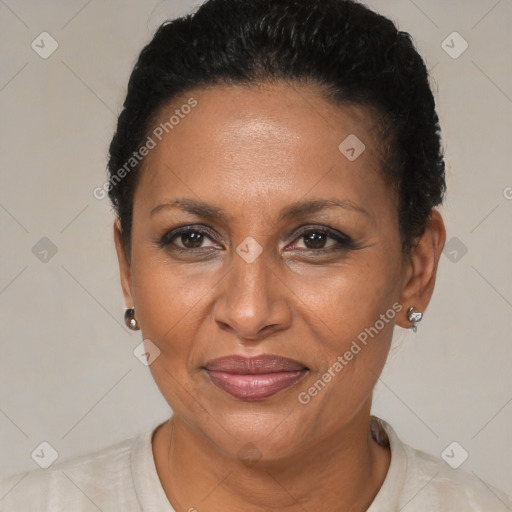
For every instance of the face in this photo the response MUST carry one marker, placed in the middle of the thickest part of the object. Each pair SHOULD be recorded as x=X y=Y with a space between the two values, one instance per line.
x=255 y=235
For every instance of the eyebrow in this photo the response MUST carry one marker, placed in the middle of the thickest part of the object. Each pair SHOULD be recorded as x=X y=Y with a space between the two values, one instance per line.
x=300 y=208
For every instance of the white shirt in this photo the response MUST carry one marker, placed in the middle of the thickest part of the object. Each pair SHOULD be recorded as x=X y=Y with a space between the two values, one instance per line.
x=123 y=477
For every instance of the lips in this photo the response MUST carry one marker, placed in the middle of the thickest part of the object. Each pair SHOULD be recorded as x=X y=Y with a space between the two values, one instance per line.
x=254 y=378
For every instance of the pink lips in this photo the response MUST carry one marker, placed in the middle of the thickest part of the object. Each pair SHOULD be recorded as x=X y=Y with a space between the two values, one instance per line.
x=254 y=378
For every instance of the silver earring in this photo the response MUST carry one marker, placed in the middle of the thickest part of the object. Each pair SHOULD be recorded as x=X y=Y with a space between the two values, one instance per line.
x=130 y=320
x=414 y=316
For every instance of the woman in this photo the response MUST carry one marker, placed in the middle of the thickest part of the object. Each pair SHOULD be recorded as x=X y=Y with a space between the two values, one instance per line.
x=275 y=175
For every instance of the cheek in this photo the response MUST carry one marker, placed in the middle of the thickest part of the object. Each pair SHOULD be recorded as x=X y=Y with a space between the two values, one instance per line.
x=351 y=298
x=167 y=296
x=353 y=361
x=357 y=308
x=168 y=302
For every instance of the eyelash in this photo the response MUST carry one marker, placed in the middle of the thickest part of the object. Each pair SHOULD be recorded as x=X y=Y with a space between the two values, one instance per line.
x=344 y=242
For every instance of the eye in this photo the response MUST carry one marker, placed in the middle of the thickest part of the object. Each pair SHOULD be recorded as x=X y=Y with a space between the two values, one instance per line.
x=188 y=238
x=322 y=240
x=313 y=239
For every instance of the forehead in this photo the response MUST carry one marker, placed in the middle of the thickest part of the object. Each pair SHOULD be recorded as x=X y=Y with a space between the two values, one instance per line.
x=243 y=143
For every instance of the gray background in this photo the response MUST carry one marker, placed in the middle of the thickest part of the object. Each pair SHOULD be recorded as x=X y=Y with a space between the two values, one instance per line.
x=68 y=375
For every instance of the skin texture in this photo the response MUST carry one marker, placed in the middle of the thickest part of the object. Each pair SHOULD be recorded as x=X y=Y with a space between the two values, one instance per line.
x=252 y=151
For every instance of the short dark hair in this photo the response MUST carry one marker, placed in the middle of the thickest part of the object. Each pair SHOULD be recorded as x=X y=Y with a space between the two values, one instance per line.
x=356 y=55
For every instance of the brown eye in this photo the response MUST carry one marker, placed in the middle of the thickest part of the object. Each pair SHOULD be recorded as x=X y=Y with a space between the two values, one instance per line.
x=187 y=238
x=191 y=240
x=317 y=239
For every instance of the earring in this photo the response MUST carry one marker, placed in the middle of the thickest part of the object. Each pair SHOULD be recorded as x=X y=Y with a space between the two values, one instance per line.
x=414 y=316
x=130 y=320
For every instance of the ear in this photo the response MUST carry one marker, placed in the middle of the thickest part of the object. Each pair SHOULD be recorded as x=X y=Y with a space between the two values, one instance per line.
x=421 y=268
x=124 y=265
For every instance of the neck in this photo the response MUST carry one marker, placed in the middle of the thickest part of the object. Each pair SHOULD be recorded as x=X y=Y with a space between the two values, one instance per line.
x=342 y=472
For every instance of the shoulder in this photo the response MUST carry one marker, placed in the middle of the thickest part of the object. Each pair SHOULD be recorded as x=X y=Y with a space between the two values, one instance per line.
x=84 y=483
x=430 y=480
x=417 y=480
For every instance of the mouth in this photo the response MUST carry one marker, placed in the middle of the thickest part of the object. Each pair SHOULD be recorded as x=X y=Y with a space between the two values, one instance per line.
x=254 y=378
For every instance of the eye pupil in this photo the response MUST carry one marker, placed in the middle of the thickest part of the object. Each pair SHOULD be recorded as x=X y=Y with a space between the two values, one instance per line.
x=317 y=239
x=194 y=237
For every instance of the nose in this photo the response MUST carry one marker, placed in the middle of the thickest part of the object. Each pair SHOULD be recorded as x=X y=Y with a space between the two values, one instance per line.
x=252 y=301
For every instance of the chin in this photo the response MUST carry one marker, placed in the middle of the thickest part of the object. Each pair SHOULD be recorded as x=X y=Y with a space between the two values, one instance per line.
x=248 y=431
